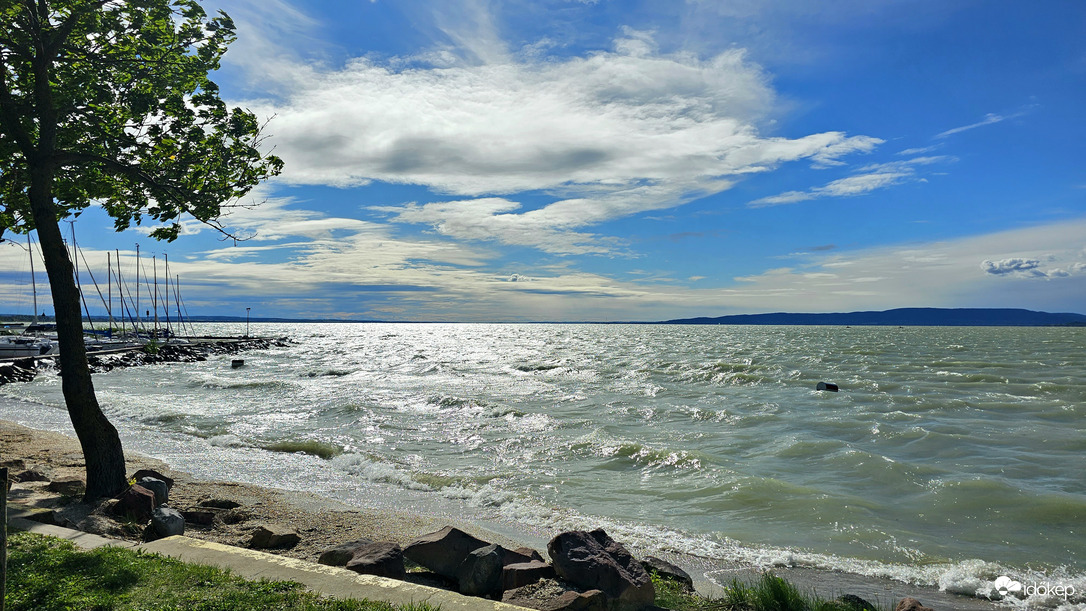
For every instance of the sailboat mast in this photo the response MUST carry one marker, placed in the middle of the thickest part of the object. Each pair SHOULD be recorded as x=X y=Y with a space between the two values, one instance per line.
x=154 y=266
x=78 y=285
x=33 y=282
x=137 y=286
x=166 y=294
x=109 y=289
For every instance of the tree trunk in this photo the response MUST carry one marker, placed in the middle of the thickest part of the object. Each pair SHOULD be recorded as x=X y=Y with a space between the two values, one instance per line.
x=102 y=450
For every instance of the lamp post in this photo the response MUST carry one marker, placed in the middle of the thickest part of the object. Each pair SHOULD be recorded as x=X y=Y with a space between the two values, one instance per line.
x=247 y=322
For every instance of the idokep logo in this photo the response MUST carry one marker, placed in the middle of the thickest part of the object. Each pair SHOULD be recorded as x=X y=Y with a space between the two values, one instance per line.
x=1005 y=585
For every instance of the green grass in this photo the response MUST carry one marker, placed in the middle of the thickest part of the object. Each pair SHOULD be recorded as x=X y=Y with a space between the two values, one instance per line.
x=769 y=593
x=45 y=573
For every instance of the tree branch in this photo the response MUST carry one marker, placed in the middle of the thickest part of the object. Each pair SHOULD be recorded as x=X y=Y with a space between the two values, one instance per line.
x=9 y=119
x=66 y=27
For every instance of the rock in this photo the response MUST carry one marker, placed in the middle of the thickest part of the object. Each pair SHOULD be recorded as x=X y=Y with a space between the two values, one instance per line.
x=911 y=604
x=220 y=504
x=480 y=574
x=855 y=603
x=667 y=570
x=137 y=503
x=67 y=487
x=14 y=464
x=382 y=559
x=199 y=518
x=519 y=556
x=594 y=561
x=270 y=536
x=550 y=595
x=157 y=486
x=521 y=574
x=522 y=554
x=142 y=473
x=442 y=551
x=165 y=522
x=340 y=555
x=37 y=474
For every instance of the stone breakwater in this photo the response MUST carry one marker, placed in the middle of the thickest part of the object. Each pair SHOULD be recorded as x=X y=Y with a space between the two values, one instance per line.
x=25 y=369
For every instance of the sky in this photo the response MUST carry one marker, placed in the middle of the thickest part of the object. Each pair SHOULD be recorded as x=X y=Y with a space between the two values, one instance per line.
x=635 y=160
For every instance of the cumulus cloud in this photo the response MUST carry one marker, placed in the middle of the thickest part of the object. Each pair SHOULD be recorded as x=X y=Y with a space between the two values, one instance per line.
x=1029 y=268
x=609 y=134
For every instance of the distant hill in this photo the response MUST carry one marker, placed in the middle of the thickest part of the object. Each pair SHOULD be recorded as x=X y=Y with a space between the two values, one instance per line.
x=935 y=317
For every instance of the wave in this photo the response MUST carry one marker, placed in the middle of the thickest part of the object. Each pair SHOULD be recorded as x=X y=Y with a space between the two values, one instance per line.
x=312 y=447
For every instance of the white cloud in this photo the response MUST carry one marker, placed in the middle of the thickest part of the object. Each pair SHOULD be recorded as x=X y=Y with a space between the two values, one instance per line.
x=989 y=119
x=1030 y=268
x=610 y=134
x=870 y=178
x=939 y=274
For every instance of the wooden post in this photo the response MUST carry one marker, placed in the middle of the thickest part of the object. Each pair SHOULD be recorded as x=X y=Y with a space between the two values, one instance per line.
x=3 y=538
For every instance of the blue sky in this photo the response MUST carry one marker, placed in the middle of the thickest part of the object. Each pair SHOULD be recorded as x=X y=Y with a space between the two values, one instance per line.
x=635 y=160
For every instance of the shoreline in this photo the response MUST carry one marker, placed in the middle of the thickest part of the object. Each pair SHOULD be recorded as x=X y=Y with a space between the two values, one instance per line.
x=324 y=522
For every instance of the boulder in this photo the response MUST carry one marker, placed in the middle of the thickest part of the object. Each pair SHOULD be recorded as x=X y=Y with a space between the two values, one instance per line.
x=142 y=473
x=522 y=554
x=480 y=574
x=68 y=487
x=550 y=595
x=165 y=522
x=595 y=561
x=382 y=559
x=911 y=604
x=524 y=573
x=271 y=536
x=340 y=555
x=157 y=486
x=443 y=551
x=137 y=503
x=665 y=569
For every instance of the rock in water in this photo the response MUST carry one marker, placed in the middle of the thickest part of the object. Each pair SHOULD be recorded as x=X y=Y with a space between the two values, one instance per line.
x=593 y=560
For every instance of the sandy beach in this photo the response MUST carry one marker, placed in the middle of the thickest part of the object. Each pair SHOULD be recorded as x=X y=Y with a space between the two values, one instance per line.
x=323 y=523
x=320 y=522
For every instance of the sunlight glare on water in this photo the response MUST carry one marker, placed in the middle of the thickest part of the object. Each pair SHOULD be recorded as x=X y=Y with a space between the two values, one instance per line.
x=944 y=445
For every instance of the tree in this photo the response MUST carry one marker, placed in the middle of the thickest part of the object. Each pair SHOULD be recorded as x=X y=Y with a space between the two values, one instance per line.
x=109 y=102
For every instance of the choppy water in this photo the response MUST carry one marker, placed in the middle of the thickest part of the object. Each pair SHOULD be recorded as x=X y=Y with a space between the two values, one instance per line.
x=951 y=455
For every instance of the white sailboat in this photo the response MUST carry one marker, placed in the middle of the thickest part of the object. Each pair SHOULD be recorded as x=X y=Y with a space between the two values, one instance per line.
x=19 y=346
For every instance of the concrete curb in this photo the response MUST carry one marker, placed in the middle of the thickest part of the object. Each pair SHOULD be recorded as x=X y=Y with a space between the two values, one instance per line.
x=252 y=564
